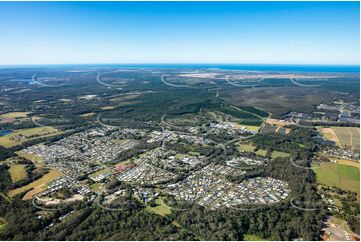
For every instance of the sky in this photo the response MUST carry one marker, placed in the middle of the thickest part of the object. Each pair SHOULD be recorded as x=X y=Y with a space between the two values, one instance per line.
x=180 y=32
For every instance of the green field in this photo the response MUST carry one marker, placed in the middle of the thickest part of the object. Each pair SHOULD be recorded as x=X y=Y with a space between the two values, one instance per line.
x=344 y=177
x=31 y=157
x=160 y=209
x=20 y=136
x=261 y=152
x=37 y=185
x=247 y=147
x=252 y=237
x=245 y=117
x=17 y=172
x=276 y=154
x=14 y=115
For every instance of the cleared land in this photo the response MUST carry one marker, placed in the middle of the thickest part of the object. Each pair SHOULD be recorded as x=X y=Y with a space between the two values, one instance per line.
x=261 y=152
x=348 y=163
x=31 y=157
x=276 y=154
x=330 y=134
x=277 y=122
x=348 y=136
x=86 y=114
x=344 y=177
x=252 y=237
x=35 y=186
x=17 y=172
x=160 y=209
x=14 y=115
x=20 y=136
x=107 y=108
x=251 y=148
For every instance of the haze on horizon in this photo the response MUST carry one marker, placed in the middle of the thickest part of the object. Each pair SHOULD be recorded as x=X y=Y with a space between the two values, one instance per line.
x=179 y=32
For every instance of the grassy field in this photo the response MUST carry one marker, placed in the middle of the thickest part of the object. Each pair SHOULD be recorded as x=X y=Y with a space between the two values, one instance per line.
x=261 y=152
x=17 y=172
x=14 y=115
x=34 y=158
x=96 y=187
x=36 y=186
x=87 y=115
x=250 y=127
x=344 y=177
x=66 y=100
x=247 y=147
x=341 y=161
x=276 y=154
x=100 y=172
x=277 y=122
x=107 y=108
x=161 y=209
x=349 y=137
x=20 y=136
x=348 y=162
x=252 y=237
x=330 y=134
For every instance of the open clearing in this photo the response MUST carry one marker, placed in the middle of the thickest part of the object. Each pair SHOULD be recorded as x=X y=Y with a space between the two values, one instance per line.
x=261 y=152
x=36 y=185
x=160 y=209
x=252 y=237
x=86 y=114
x=330 y=134
x=278 y=122
x=20 y=136
x=31 y=157
x=251 y=148
x=344 y=177
x=14 y=115
x=348 y=162
x=107 y=108
x=17 y=172
x=348 y=136
x=276 y=154
x=247 y=147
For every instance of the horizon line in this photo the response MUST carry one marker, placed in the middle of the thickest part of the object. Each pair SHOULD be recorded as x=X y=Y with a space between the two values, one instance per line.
x=180 y=63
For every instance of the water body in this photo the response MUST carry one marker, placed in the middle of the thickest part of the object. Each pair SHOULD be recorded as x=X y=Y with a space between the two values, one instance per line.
x=5 y=132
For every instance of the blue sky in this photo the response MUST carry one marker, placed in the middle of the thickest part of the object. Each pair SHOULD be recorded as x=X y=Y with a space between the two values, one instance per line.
x=179 y=32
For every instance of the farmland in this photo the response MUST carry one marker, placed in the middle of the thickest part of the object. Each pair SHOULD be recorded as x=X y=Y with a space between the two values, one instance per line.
x=20 y=136
x=349 y=136
x=330 y=134
x=344 y=177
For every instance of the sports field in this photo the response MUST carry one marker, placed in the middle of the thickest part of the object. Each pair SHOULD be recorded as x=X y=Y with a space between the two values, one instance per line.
x=20 y=136
x=349 y=137
x=36 y=185
x=345 y=177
